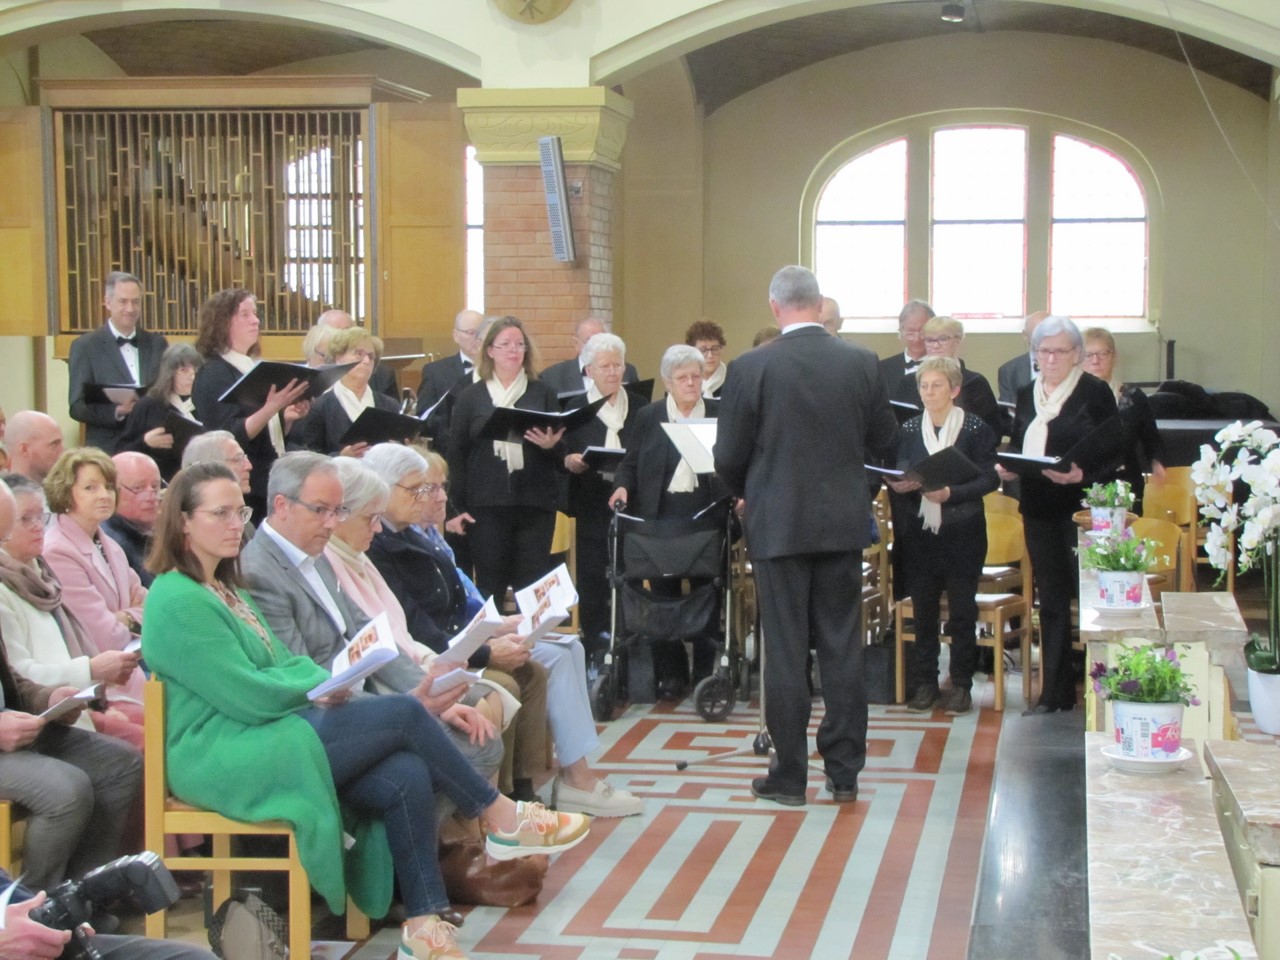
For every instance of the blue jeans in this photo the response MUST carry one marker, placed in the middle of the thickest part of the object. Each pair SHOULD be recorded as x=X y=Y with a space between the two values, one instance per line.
x=388 y=757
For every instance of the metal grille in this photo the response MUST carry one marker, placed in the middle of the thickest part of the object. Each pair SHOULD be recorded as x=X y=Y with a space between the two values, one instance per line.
x=194 y=202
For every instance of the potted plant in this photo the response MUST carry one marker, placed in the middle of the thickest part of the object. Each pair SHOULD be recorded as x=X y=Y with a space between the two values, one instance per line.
x=1109 y=505
x=1147 y=690
x=1121 y=561
x=1249 y=455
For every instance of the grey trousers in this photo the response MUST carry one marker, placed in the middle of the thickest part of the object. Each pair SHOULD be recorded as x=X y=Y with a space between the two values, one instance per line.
x=78 y=787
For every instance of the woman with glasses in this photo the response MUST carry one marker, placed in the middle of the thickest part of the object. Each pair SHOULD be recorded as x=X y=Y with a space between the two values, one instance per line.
x=1144 y=449
x=504 y=491
x=331 y=416
x=99 y=588
x=1054 y=412
x=170 y=395
x=708 y=339
x=943 y=337
x=228 y=341
x=44 y=640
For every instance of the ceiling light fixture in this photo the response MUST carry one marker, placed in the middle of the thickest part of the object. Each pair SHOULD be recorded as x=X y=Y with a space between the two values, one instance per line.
x=953 y=12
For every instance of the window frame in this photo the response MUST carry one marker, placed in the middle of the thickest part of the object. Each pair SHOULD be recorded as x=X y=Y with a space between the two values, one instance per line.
x=1041 y=128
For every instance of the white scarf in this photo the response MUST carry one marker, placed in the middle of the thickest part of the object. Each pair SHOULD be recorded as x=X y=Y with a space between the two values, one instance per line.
x=684 y=480
x=352 y=405
x=275 y=429
x=511 y=453
x=184 y=405
x=933 y=442
x=714 y=382
x=612 y=415
x=1048 y=406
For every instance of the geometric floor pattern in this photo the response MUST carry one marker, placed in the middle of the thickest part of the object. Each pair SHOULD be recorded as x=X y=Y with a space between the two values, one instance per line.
x=709 y=873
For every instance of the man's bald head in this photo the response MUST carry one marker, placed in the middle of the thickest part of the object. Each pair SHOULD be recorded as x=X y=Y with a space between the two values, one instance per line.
x=35 y=442
x=466 y=332
x=138 y=483
x=1033 y=320
x=829 y=315
x=585 y=330
x=336 y=319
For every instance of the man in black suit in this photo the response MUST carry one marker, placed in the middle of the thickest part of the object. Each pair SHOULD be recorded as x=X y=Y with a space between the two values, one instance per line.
x=566 y=376
x=441 y=376
x=384 y=378
x=139 y=489
x=119 y=351
x=798 y=418
x=1016 y=373
x=911 y=320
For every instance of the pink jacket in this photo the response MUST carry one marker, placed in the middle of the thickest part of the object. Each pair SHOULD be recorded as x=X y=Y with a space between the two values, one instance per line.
x=94 y=587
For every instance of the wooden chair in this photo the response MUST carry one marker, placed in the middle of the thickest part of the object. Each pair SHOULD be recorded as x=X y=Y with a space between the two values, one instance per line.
x=13 y=827
x=1174 y=499
x=996 y=611
x=875 y=586
x=1166 y=574
x=564 y=540
x=165 y=815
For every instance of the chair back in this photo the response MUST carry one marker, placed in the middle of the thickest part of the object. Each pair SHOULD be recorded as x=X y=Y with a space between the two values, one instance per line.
x=1168 y=535
x=1005 y=543
x=997 y=502
x=155 y=789
x=1172 y=499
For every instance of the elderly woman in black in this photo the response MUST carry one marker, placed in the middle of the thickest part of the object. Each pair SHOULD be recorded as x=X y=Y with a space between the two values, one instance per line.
x=944 y=534
x=1054 y=412
x=605 y=359
x=145 y=431
x=331 y=416
x=505 y=490
x=654 y=482
x=708 y=338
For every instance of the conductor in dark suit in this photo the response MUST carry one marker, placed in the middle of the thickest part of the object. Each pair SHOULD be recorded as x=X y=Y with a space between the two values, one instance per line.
x=119 y=351
x=567 y=375
x=798 y=418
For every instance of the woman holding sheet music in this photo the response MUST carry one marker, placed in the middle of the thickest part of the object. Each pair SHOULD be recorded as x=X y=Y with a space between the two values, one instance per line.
x=169 y=396
x=1056 y=411
x=504 y=490
x=605 y=359
x=244 y=739
x=228 y=341
x=331 y=416
x=943 y=534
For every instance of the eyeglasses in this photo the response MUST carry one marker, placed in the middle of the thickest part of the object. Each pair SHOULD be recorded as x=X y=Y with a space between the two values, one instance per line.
x=238 y=459
x=321 y=511
x=1099 y=354
x=372 y=519
x=1044 y=353
x=910 y=335
x=149 y=490
x=228 y=516
x=467 y=334
x=363 y=355
x=425 y=490
x=711 y=351
x=937 y=341
x=515 y=346
x=35 y=521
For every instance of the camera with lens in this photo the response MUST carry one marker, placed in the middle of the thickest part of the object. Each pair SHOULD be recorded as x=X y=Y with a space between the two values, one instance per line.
x=140 y=882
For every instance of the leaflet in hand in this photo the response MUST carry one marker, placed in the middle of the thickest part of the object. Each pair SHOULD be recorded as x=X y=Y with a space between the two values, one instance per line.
x=73 y=702
x=484 y=625
x=695 y=439
x=447 y=681
x=368 y=650
x=555 y=591
x=541 y=622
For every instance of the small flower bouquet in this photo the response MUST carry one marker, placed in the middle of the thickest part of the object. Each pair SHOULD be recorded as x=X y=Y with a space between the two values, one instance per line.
x=1116 y=495
x=1144 y=675
x=1120 y=552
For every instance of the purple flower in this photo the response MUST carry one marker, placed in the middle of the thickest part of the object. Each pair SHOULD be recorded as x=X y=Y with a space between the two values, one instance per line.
x=1130 y=687
x=1171 y=655
x=1195 y=701
x=1099 y=670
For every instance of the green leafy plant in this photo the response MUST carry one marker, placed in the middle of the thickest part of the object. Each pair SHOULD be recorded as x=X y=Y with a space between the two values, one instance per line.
x=1116 y=494
x=1147 y=674
x=1122 y=551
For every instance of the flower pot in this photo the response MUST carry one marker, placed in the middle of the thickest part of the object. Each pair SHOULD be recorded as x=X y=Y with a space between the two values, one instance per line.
x=1108 y=519
x=1120 y=588
x=1147 y=730
x=1264 y=700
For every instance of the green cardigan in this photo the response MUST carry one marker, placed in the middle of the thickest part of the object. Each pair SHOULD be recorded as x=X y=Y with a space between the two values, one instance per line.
x=236 y=745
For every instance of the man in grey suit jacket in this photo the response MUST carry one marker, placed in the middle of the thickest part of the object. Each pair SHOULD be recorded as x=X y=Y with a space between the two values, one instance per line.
x=566 y=376
x=1016 y=373
x=119 y=352
x=798 y=418
x=295 y=587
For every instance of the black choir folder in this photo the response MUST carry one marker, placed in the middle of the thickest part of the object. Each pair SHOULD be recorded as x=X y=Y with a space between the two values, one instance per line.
x=112 y=393
x=181 y=429
x=603 y=459
x=904 y=411
x=381 y=426
x=945 y=468
x=510 y=423
x=251 y=389
x=1101 y=447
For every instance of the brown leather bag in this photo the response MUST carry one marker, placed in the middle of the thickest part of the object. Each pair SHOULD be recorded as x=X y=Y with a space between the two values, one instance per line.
x=470 y=876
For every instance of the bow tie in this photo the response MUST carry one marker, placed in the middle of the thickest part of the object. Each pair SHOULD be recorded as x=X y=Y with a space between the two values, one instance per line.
x=123 y=341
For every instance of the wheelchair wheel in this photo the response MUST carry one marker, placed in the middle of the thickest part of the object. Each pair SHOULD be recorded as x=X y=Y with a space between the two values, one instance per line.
x=602 y=698
x=713 y=698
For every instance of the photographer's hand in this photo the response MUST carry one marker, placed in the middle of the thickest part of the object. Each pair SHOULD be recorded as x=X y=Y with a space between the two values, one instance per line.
x=24 y=939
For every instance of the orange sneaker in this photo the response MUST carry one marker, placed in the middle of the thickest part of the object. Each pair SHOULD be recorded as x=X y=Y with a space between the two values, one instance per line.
x=431 y=939
x=538 y=830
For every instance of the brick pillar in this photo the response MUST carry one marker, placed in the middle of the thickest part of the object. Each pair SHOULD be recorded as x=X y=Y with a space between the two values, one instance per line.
x=521 y=276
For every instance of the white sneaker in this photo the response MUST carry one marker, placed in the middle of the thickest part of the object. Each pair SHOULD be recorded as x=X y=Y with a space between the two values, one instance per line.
x=604 y=800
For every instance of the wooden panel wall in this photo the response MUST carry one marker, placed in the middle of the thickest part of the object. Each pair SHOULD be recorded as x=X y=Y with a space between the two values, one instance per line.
x=22 y=232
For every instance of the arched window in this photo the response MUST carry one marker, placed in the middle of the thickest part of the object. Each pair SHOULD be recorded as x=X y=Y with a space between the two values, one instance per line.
x=988 y=221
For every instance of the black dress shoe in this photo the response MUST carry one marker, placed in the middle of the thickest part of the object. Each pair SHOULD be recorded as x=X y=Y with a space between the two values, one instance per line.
x=767 y=789
x=842 y=794
x=1039 y=710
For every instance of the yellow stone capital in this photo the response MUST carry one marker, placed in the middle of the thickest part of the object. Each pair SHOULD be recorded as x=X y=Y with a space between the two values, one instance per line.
x=504 y=125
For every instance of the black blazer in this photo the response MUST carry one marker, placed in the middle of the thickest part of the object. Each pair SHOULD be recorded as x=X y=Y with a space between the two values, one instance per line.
x=1090 y=405
x=651 y=462
x=438 y=378
x=134 y=542
x=322 y=428
x=589 y=492
x=799 y=417
x=1012 y=376
x=478 y=477
x=148 y=414
x=975 y=397
x=212 y=380
x=425 y=581
x=976 y=441
x=566 y=376
x=95 y=358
